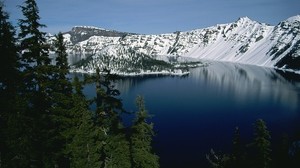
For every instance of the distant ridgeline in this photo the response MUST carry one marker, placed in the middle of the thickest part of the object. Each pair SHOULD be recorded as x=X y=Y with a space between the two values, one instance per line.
x=243 y=41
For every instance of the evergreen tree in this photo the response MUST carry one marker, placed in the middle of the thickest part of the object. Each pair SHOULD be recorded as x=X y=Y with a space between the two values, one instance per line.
x=8 y=50
x=115 y=150
x=61 y=103
x=35 y=59
x=82 y=148
x=141 y=139
x=106 y=92
x=33 y=41
x=77 y=84
x=262 y=144
x=9 y=84
x=36 y=76
x=62 y=85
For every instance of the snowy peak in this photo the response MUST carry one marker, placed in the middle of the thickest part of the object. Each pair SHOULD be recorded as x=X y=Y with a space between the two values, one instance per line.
x=290 y=23
x=244 y=19
x=293 y=19
x=243 y=41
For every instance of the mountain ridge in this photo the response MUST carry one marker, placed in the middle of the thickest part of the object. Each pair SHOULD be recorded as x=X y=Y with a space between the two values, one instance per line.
x=243 y=41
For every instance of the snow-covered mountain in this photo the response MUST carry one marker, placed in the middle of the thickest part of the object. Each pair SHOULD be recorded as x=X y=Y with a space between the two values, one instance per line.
x=243 y=41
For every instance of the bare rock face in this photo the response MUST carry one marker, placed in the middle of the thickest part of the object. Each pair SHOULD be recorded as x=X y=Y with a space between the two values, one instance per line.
x=81 y=33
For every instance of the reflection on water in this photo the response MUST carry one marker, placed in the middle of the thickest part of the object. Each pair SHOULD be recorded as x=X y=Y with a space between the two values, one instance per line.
x=242 y=83
x=75 y=58
x=195 y=113
x=245 y=83
x=199 y=112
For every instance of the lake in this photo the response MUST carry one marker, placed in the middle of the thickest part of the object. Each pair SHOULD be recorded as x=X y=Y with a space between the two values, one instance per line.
x=195 y=113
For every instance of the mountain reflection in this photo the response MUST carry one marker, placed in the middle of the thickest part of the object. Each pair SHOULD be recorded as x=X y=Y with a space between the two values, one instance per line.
x=252 y=83
x=243 y=84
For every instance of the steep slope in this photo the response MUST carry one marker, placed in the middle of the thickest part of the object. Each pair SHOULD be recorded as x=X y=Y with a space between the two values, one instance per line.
x=250 y=42
x=243 y=41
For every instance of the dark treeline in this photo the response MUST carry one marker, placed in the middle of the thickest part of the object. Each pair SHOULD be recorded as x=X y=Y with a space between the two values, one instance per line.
x=259 y=152
x=45 y=118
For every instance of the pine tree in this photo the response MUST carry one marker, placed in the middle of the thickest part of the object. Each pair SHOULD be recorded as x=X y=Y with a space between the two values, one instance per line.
x=262 y=144
x=62 y=66
x=36 y=73
x=82 y=147
x=77 y=84
x=8 y=50
x=106 y=91
x=9 y=84
x=32 y=38
x=141 y=139
x=61 y=103
x=115 y=150
x=35 y=59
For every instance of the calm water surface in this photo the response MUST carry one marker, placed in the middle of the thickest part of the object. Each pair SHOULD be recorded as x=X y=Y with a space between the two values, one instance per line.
x=195 y=113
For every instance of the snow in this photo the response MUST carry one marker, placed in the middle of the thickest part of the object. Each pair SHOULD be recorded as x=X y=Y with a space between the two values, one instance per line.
x=294 y=19
x=142 y=73
x=89 y=27
x=244 y=41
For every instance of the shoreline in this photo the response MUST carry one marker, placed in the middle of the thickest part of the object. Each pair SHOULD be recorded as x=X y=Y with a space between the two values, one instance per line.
x=142 y=73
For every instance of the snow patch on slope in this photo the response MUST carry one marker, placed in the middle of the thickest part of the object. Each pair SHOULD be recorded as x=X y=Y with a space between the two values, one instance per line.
x=243 y=41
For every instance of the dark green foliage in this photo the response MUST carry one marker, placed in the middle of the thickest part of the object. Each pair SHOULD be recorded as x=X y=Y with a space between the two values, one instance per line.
x=46 y=121
x=36 y=74
x=141 y=139
x=33 y=41
x=11 y=104
x=262 y=145
x=81 y=146
x=61 y=55
x=8 y=63
x=8 y=50
x=106 y=92
x=61 y=114
x=136 y=63
x=115 y=150
x=148 y=62
x=258 y=154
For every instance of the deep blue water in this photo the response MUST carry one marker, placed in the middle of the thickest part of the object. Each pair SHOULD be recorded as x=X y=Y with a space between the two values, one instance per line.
x=195 y=113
